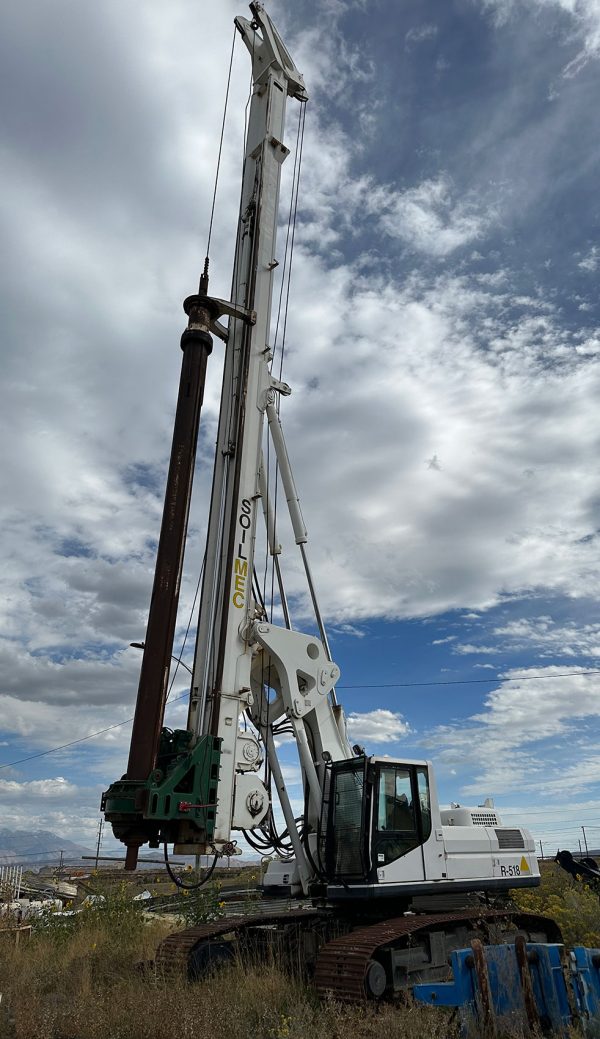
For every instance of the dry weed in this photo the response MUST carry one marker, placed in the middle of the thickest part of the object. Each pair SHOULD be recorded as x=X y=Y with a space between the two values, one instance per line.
x=89 y=988
x=83 y=983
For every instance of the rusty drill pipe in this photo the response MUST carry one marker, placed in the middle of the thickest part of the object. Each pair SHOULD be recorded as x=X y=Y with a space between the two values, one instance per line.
x=196 y=344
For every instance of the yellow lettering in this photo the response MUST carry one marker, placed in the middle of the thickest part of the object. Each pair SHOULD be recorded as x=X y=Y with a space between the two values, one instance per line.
x=240 y=584
x=238 y=595
x=240 y=568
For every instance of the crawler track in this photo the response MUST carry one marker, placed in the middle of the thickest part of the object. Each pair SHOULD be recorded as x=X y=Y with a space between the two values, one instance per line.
x=173 y=953
x=343 y=962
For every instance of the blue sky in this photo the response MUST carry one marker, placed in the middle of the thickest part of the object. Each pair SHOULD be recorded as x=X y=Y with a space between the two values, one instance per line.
x=442 y=345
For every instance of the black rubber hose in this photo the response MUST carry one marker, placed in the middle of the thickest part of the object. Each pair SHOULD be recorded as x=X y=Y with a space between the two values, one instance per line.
x=179 y=883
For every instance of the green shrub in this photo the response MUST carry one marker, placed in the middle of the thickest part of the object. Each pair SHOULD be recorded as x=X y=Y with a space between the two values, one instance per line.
x=113 y=910
x=573 y=905
x=201 y=906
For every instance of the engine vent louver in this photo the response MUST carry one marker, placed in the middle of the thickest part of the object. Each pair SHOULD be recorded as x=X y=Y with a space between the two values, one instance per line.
x=510 y=839
x=484 y=818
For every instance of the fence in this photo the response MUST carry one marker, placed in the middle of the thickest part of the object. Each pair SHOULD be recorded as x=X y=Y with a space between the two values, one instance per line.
x=10 y=882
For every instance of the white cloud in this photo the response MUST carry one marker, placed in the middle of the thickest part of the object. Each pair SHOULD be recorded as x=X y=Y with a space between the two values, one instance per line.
x=420 y=33
x=379 y=726
x=350 y=629
x=583 y=14
x=430 y=217
x=466 y=647
x=540 y=636
x=590 y=261
x=58 y=789
x=524 y=725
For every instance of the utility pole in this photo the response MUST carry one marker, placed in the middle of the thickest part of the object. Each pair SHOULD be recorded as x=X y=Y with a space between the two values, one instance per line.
x=541 y=851
x=60 y=865
x=99 y=841
x=584 y=840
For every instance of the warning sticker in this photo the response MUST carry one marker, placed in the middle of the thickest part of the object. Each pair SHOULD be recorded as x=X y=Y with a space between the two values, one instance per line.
x=524 y=865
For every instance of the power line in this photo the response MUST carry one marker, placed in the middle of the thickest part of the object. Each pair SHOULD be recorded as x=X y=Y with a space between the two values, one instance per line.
x=382 y=685
x=556 y=810
x=469 y=681
x=82 y=739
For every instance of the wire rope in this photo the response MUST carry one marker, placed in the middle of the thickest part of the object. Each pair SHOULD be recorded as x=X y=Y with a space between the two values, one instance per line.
x=287 y=238
x=187 y=631
x=389 y=685
x=214 y=198
x=289 y=277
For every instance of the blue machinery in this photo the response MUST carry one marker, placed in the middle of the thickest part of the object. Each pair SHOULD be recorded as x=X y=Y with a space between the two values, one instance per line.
x=540 y=987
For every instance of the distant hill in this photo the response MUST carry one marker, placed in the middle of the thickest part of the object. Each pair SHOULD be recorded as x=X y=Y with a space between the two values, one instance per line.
x=37 y=848
x=34 y=848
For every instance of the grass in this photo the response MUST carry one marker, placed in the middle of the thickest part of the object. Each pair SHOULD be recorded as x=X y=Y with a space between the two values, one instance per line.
x=78 y=980
x=84 y=985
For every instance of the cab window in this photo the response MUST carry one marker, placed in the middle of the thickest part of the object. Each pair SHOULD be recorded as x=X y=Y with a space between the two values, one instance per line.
x=424 y=801
x=403 y=812
x=395 y=803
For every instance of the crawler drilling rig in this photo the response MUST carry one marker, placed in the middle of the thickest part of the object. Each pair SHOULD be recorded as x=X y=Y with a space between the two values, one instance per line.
x=395 y=881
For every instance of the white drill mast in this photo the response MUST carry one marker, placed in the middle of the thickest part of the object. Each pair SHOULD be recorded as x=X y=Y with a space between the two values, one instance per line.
x=238 y=654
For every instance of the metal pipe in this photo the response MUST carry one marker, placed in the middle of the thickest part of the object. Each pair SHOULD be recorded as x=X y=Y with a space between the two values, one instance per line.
x=284 y=602
x=196 y=344
x=307 y=762
x=301 y=860
x=274 y=546
x=287 y=478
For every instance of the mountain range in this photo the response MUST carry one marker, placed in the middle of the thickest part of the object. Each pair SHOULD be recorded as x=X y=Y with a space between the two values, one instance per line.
x=35 y=848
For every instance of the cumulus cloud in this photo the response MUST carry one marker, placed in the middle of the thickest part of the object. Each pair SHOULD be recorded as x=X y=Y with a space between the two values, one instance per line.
x=379 y=726
x=42 y=789
x=542 y=636
x=522 y=726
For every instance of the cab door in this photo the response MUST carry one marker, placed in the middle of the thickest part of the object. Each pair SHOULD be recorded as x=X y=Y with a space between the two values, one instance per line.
x=401 y=823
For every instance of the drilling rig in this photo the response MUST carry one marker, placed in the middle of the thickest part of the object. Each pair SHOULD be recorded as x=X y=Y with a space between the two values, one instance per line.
x=395 y=882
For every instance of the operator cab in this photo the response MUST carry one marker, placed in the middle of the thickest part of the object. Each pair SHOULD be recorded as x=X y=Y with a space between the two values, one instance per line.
x=375 y=811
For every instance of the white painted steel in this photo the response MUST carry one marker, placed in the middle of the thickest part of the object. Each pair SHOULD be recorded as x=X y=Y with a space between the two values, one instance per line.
x=287 y=477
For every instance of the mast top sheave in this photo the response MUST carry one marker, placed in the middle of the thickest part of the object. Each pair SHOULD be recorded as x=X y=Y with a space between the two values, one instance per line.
x=269 y=51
